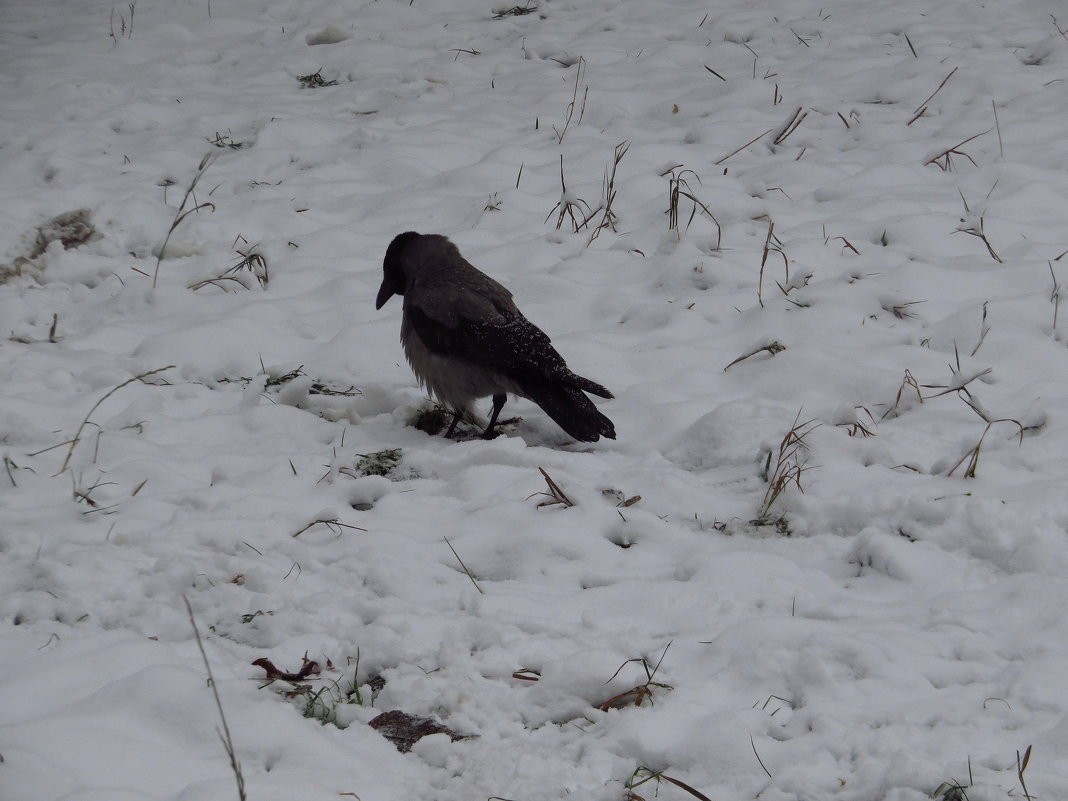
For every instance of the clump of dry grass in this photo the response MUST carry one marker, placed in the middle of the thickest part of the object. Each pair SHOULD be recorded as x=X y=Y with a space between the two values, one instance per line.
x=251 y=263
x=790 y=463
x=568 y=205
x=608 y=195
x=974 y=225
x=679 y=189
x=958 y=385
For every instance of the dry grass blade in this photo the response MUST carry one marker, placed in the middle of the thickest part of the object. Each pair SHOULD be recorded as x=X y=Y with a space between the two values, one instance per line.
x=959 y=385
x=974 y=224
x=792 y=123
x=972 y=456
x=1060 y=30
x=470 y=575
x=224 y=733
x=752 y=141
x=184 y=212
x=772 y=348
x=848 y=244
x=225 y=140
x=1021 y=766
x=1055 y=296
x=555 y=494
x=8 y=464
x=752 y=742
x=771 y=245
x=944 y=160
x=952 y=790
x=568 y=204
x=220 y=282
x=658 y=776
x=251 y=262
x=332 y=523
x=984 y=329
x=920 y=109
x=77 y=434
x=997 y=127
x=960 y=380
x=125 y=28
x=901 y=310
x=580 y=74
x=855 y=427
x=683 y=785
x=254 y=262
x=907 y=382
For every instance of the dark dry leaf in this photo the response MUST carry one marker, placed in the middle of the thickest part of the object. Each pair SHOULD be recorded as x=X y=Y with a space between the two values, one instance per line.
x=404 y=730
x=309 y=668
x=632 y=697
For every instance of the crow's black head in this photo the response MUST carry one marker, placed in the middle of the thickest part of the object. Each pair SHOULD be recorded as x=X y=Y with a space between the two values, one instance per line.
x=393 y=278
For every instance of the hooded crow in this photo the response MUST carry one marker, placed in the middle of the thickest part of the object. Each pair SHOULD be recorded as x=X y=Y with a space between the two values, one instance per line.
x=466 y=339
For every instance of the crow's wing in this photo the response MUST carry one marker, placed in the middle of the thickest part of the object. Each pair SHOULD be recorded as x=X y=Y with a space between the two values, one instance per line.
x=506 y=342
x=516 y=348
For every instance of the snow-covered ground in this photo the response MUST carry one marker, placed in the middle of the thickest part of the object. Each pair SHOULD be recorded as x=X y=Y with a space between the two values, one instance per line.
x=872 y=207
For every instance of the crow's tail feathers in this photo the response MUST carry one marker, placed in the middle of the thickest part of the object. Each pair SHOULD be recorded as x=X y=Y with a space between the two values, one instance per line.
x=586 y=385
x=573 y=411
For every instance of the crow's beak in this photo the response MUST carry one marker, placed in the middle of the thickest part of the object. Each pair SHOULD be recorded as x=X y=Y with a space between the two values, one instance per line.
x=385 y=292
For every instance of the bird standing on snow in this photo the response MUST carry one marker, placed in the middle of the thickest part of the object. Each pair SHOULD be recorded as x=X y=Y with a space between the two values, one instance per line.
x=465 y=339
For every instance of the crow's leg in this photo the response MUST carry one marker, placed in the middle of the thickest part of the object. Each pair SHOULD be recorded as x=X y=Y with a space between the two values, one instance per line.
x=498 y=404
x=452 y=426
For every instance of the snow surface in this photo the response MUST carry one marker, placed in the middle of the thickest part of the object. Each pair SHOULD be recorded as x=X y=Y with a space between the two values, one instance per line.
x=896 y=628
